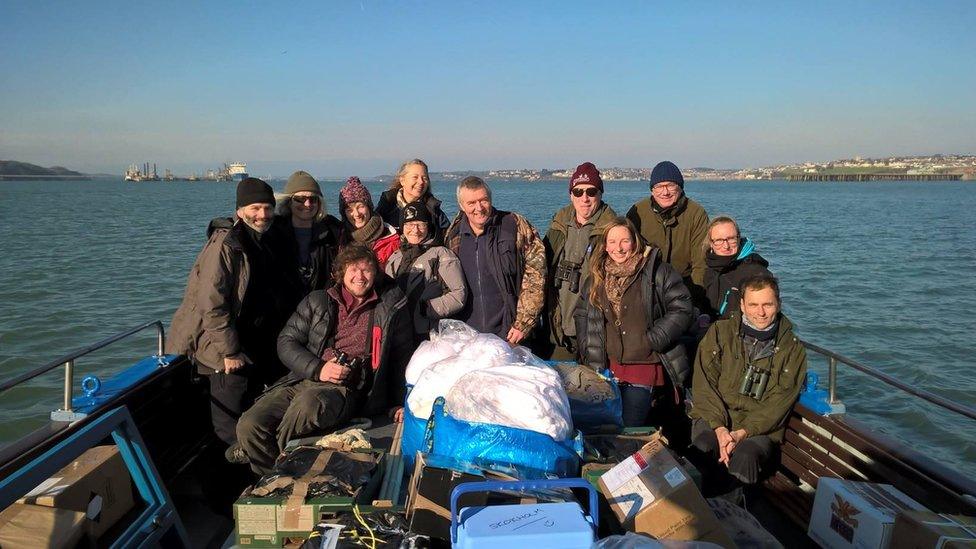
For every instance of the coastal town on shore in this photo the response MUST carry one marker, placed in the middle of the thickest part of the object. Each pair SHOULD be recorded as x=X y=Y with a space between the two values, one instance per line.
x=936 y=167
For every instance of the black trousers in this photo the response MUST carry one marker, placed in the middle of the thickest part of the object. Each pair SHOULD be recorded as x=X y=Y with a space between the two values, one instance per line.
x=291 y=411
x=230 y=395
x=745 y=464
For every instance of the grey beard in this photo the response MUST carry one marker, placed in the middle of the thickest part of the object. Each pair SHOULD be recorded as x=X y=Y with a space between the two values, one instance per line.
x=259 y=230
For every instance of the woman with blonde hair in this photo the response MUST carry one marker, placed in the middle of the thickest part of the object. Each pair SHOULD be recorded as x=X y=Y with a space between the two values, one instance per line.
x=636 y=309
x=410 y=184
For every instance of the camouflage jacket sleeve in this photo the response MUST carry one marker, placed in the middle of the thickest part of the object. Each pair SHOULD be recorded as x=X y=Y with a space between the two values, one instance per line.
x=532 y=296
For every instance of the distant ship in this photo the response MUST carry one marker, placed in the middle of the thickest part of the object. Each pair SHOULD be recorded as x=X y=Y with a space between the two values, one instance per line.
x=237 y=171
x=137 y=174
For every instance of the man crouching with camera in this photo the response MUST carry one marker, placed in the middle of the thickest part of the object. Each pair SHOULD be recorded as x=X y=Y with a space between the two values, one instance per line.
x=748 y=374
x=347 y=348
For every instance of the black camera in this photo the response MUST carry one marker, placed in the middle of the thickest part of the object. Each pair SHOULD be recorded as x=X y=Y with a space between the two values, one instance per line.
x=357 y=367
x=569 y=272
x=755 y=382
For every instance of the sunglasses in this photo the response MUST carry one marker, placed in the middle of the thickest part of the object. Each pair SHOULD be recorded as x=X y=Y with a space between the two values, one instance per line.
x=314 y=199
x=589 y=191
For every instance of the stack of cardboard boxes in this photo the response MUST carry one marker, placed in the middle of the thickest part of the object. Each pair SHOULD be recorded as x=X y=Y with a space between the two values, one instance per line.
x=848 y=514
x=82 y=500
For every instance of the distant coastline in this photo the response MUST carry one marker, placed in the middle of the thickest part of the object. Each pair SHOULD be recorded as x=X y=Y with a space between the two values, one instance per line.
x=937 y=167
x=11 y=169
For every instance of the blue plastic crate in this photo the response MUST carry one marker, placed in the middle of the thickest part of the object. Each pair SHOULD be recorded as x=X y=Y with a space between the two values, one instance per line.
x=529 y=526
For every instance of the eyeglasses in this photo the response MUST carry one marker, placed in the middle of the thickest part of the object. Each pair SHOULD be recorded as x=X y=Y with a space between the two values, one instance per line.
x=728 y=241
x=312 y=198
x=661 y=187
x=589 y=191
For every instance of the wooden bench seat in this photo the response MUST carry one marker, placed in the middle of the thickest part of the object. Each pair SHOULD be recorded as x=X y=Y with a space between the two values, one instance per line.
x=840 y=447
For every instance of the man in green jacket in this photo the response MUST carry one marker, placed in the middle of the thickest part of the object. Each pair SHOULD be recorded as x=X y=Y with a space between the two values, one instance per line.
x=572 y=236
x=676 y=224
x=748 y=374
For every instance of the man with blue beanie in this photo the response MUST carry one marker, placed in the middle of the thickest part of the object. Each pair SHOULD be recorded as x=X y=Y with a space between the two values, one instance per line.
x=676 y=224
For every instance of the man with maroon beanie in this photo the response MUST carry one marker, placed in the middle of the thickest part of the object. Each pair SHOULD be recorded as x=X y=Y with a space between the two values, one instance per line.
x=347 y=348
x=573 y=234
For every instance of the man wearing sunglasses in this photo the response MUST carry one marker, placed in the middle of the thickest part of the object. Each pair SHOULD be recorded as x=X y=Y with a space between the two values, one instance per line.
x=671 y=221
x=307 y=232
x=572 y=236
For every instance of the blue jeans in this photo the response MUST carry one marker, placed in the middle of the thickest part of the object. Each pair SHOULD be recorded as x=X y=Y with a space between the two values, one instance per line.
x=636 y=404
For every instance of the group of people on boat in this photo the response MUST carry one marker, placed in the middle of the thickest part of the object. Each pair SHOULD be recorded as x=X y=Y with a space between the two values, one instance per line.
x=301 y=321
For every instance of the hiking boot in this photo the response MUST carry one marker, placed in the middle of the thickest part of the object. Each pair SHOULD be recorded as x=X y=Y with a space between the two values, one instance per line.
x=235 y=454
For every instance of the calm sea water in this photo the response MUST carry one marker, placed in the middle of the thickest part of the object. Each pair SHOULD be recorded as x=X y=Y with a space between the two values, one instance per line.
x=880 y=272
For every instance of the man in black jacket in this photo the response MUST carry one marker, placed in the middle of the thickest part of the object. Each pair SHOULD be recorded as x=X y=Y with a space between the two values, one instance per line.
x=347 y=349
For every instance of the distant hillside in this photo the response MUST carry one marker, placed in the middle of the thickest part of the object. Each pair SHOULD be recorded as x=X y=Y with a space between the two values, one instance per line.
x=11 y=169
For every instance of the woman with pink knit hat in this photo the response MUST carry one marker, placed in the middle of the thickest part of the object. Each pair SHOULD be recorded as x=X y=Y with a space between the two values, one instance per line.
x=361 y=224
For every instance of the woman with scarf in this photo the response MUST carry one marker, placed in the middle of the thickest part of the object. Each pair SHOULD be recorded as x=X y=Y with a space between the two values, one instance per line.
x=729 y=260
x=429 y=274
x=360 y=223
x=411 y=184
x=635 y=310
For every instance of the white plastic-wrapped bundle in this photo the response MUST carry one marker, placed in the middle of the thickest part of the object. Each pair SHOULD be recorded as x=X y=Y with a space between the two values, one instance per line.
x=438 y=379
x=427 y=354
x=517 y=395
x=524 y=355
x=489 y=348
x=454 y=332
x=451 y=338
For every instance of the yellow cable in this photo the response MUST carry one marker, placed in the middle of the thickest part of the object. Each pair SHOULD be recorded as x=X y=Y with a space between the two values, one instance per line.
x=372 y=537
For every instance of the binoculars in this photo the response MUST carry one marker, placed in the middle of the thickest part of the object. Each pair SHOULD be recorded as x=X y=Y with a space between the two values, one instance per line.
x=568 y=272
x=755 y=382
x=356 y=365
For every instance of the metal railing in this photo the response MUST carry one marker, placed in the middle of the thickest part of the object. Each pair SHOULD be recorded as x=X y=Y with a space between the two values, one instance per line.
x=833 y=359
x=68 y=360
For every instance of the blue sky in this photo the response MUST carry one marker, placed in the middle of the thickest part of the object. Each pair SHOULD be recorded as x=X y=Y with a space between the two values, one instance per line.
x=339 y=88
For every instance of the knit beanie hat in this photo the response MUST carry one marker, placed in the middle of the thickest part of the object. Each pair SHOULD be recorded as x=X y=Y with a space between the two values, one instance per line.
x=254 y=191
x=355 y=191
x=667 y=171
x=302 y=181
x=415 y=211
x=586 y=173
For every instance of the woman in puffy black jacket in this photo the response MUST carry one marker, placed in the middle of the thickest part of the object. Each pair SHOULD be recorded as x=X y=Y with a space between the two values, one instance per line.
x=635 y=310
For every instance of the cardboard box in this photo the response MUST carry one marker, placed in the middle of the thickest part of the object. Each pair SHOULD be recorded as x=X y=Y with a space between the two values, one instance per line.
x=925 y=530
x=650 y=493
x=273 y=521
x=97 y=484
x=429 y=499
x=33 y=526
x=856 y=514
x=615 y=447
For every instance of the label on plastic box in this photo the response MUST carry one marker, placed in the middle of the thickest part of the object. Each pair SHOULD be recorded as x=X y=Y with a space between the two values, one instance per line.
x=256 y=520
x=304 y=522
